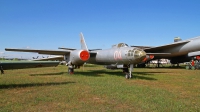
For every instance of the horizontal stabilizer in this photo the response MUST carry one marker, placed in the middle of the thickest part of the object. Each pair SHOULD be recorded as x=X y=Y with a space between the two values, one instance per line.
x=75 y=49
x=66 y=48
x=94 y=49
x=142 y=47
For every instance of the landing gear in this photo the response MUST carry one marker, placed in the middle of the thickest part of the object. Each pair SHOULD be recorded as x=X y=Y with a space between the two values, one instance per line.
x=127 y=76
x=128 y=73
x=70 y=70
x=70 y=67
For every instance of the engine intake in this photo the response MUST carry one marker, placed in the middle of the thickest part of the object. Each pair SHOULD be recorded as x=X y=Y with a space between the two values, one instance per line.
x=84 y=55
x=79 y=57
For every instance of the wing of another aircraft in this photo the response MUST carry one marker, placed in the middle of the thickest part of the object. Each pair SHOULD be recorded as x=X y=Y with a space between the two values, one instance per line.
x=60 y=58
x=158 y=48
x=52 y=52
x=27 y=64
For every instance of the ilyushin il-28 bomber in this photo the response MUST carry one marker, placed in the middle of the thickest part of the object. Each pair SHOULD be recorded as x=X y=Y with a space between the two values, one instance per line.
x=120 y=56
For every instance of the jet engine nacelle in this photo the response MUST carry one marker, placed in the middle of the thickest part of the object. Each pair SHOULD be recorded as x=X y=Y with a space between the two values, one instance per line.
x=79 y=57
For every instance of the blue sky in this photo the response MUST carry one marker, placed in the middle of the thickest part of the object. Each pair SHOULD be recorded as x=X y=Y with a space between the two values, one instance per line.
x=49 y=24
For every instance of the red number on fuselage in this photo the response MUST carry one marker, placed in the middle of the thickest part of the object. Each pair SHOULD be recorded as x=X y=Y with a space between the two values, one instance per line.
x=117 y=55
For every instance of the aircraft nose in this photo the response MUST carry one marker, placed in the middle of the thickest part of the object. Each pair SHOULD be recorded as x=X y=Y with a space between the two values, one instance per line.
x=140 y=54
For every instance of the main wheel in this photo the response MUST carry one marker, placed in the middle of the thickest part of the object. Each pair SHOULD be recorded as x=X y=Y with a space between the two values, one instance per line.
x=70 y=70
x=127 y=76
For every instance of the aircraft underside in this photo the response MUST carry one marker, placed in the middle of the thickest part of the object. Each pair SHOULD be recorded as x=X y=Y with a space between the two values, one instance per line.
x=126 y=69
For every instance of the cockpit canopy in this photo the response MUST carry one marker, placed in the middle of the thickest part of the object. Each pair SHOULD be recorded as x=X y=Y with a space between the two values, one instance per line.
x=120 y=45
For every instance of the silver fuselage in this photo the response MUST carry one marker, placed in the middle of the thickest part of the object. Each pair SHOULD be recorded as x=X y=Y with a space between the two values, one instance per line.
x=119 y=55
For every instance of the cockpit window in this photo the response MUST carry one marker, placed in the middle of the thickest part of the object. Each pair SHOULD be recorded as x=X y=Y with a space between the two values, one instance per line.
x=130 y=52
x=126 y=45
x=137 y=54
x=119 y=45
x=122 y=45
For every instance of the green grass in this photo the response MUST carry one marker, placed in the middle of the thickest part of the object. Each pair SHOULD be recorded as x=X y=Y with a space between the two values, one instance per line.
x=98 y=89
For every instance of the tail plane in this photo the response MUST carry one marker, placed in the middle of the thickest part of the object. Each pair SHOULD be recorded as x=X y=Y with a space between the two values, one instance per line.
x=83 y=44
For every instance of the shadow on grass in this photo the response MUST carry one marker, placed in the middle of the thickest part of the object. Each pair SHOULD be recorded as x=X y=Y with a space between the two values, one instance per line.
x=142 y=77
x=58 y=73
x=8 y=86
x=136 y=75
x=93 y=73
x=99 y=73
x=148 y=73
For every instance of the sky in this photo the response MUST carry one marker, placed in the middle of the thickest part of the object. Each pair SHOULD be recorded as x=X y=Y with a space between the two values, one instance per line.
x=49 y=24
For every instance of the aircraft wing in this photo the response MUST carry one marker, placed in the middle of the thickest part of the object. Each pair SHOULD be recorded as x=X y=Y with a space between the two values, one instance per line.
x=159 y=48
x=52 y=52
x=27 y=64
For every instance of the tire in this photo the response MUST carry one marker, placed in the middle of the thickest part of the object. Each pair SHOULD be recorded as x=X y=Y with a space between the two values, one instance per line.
x=127 y=76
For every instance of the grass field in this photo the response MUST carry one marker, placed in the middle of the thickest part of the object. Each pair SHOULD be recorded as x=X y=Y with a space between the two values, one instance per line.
x=98 y=89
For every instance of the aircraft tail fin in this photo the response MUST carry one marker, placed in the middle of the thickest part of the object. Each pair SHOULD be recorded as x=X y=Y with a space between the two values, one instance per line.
x=83 y=44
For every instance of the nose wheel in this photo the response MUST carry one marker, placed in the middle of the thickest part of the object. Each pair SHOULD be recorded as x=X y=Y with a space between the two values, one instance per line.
x=128 y=73
x=70 y=67
x=128 y=76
